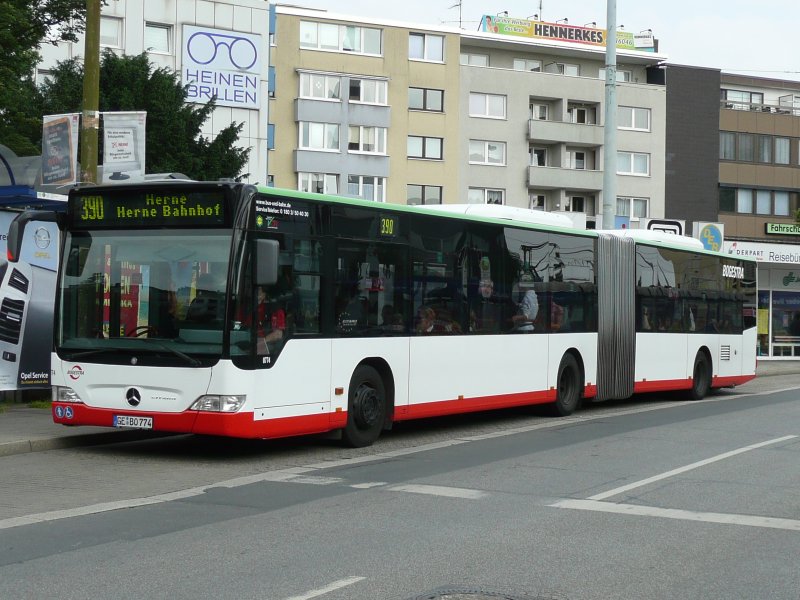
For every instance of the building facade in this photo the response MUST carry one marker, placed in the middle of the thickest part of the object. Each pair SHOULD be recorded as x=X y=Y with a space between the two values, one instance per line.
x=759 y=194
x=221 y=46
x=414 y=114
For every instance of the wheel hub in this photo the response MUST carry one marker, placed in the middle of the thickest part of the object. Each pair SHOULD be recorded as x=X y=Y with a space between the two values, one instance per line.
x=366 y=406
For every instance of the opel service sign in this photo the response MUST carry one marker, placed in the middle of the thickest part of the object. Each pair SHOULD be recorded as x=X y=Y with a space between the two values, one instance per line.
x=221 y=63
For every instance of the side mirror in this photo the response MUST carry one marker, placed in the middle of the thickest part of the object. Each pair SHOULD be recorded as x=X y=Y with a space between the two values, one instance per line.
x=17 y=229
x=267 y=252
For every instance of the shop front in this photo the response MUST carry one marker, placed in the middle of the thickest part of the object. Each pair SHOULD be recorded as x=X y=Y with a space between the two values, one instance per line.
x=778 y=295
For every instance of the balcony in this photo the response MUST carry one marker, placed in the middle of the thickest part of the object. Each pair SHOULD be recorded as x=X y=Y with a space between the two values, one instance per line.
x=779 y=109
x=552 y=178
x=575 y=134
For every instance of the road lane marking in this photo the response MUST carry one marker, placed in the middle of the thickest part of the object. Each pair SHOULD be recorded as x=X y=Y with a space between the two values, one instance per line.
x=287 y=474
x=689 y=467
x=368 y=485
x=439 y=490
x=682 y=515
x=331 y=587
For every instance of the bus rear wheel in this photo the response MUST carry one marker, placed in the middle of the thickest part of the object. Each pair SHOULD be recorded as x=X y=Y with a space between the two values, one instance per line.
x=701 y=377
x=568 y=387
x=366 y=408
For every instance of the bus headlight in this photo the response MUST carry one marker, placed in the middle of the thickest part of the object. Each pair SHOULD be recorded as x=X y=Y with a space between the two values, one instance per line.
x=65 y=394
x=215 y=403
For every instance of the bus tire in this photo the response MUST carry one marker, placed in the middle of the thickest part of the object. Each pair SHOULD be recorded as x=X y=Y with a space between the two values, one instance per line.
x=568 y=387
x=366 y=408
x=701 y=377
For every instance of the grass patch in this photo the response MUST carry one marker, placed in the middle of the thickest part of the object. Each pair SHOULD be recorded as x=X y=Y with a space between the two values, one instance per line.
x=45 y=404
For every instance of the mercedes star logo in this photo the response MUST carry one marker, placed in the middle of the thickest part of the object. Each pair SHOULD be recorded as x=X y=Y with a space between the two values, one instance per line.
x=133 y=396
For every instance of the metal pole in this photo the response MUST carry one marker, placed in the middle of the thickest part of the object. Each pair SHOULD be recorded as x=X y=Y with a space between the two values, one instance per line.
x=90 y=123
x=610 y=128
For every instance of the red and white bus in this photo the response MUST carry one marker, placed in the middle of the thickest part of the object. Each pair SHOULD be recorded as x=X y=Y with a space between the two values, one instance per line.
x=226 y=309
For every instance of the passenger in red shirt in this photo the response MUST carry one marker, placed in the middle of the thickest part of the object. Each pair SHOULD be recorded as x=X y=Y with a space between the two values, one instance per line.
x=271 y=322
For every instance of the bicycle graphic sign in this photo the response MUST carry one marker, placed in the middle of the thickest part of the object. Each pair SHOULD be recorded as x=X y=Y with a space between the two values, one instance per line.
x=221 y=63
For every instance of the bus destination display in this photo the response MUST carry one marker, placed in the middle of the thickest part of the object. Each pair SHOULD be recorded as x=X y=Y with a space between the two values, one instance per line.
x=148 y=209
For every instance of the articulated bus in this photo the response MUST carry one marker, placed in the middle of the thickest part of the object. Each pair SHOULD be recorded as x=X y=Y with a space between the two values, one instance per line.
x=234 y=310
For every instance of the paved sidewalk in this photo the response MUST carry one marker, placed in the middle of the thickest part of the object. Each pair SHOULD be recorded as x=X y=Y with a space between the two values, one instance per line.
x=24 y=429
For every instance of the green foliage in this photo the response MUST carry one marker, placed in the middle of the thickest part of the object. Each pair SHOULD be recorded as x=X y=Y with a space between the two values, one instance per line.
x=173 y=140
x=24 y=26
x=797 y=216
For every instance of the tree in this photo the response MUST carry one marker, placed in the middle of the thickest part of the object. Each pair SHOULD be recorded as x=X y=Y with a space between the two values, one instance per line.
x=173 y=140
x=24 y=26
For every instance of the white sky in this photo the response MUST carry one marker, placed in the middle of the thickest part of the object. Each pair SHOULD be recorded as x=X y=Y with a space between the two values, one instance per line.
x=752 y=37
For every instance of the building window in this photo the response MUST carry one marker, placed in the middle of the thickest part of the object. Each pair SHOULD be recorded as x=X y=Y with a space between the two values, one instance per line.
x=319 y=136
x=367 y=187
x=424 y=46
x=367 y=139
x=741 y=100
x=485 y=196
x=157 y=38
x=781 y=151
x=744 y=200
x=727 y=199
x=340 y=38
x=369 y=91
x=585 y=115
x=536 y=200
x=474 y=60
x=490 y=106
x=538 y=157
x=423 y=194
x=623 y=76
x=782 y=204
x=320 y=87
x=581 y=204
x=633 y=163
x=764 y=149
x=110 y=32
x=631 y=117
x=539 y=112
x=483 y=152
x=318 y=183
x=562 y=69
x=424 y=147
x=763 y=202
x=43 y=76
x=632 y=207
x=745 y=147
x=527 y=64
x=425 y=99
x=727 y=145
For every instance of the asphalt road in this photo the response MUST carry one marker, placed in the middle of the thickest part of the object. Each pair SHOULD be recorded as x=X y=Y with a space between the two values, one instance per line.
x=654 y=498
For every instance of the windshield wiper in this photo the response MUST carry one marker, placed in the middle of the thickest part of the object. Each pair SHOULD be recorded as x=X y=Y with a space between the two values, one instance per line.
x=86 y=353
x=192 y=361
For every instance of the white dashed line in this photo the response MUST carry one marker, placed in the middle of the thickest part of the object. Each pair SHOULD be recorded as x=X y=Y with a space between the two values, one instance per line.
x=684 y=469
x=331 y=587
x=439 y=490
x=682 y=515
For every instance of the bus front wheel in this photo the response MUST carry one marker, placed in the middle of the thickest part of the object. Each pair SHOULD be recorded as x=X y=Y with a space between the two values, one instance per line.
x=701 y=377
x=366 y=408
x=568 y=387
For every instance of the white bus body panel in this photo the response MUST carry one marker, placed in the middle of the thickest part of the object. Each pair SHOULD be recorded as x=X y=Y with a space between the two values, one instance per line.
x=167 y=390
x=292 y=387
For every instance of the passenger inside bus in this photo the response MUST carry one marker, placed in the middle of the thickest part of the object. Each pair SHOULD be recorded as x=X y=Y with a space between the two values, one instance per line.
x=271 y=322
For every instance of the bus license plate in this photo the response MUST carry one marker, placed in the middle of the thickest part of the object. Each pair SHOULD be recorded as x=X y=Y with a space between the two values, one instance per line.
x=135 y=422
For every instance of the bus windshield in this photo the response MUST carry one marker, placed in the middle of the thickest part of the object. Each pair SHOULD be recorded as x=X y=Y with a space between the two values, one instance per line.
x=157 y=289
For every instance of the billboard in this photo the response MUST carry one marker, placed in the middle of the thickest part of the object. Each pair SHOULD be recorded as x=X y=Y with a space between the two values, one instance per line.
x=27 y=293
x=60 y=149
x=221 y=63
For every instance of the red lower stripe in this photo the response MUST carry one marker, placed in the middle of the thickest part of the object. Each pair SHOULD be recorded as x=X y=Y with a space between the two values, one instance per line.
x=668 y=385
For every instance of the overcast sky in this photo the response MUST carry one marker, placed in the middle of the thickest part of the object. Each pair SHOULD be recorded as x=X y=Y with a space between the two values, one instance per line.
x=753 y=37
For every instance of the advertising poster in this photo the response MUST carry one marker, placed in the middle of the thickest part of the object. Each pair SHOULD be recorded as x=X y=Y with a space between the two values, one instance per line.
x=123 y=146
x=27 y=293
x=60 y=149
x=221 y=63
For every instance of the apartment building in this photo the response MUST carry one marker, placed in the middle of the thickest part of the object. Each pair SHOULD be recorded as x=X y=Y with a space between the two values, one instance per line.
x=407 y=113
x=220 y=47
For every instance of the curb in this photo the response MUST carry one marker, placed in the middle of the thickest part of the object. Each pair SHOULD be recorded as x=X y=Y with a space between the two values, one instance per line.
x=77 y=441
